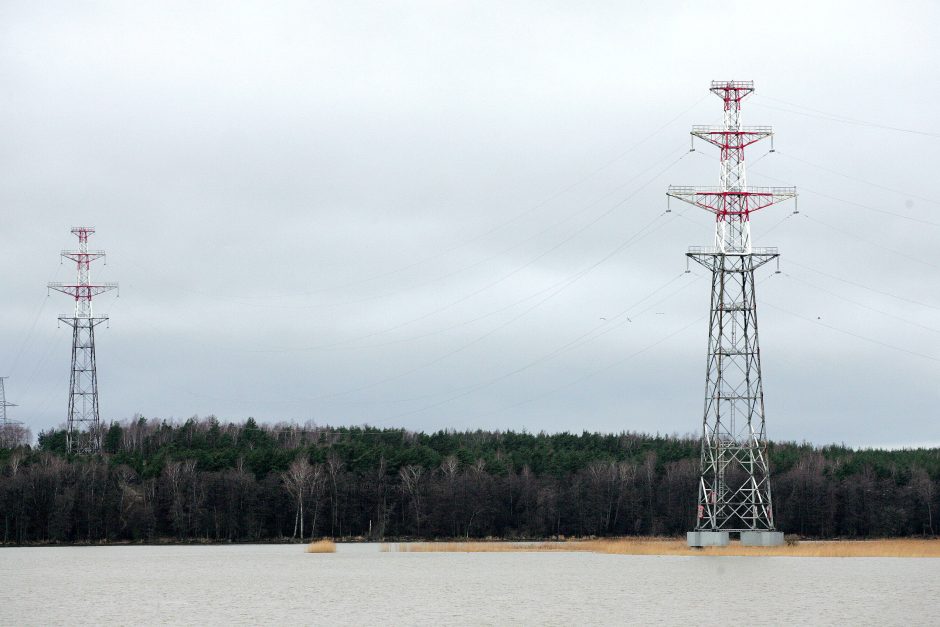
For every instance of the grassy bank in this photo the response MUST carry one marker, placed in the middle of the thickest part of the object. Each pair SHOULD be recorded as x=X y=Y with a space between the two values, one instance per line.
x=676 y=546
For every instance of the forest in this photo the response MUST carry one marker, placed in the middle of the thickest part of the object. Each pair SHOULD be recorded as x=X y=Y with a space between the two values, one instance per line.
x=203 y=480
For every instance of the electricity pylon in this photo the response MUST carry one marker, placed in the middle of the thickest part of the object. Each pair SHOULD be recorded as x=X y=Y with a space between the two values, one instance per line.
x=12 y=432
x=734 y=486
x=84 y=425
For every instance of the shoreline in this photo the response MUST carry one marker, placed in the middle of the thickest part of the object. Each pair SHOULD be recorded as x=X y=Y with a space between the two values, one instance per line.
x=668 y=546
x=880 y=547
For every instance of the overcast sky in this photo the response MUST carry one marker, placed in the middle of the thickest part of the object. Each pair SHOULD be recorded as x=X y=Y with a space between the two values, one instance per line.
x=451 y=215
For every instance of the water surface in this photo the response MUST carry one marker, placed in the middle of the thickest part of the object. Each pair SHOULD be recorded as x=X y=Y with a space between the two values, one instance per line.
x=358 y=585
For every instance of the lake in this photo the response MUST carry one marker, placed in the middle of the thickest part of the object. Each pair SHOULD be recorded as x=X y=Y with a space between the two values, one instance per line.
x=358 y=585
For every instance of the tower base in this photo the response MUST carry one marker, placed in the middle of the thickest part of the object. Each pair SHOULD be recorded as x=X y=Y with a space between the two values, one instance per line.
x=761 y=538
x=707 y=538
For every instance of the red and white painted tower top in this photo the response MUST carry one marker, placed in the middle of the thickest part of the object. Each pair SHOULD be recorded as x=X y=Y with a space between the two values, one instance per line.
x=83 y=290
x=732 y=201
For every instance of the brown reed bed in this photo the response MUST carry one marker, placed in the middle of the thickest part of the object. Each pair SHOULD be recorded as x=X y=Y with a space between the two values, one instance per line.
x=899 y=547
x=321 y=546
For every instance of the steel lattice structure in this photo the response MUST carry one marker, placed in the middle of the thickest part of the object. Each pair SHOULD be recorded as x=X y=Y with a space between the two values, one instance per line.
x=84 y=428
x=734 y=487
x=4 y=419
x=11 y=431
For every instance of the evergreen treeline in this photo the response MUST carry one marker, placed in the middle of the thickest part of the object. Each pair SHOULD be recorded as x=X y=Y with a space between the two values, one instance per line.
x=204 y=480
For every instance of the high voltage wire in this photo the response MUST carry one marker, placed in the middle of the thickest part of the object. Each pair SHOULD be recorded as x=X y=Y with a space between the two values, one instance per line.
x=643 y=233
x=866 y=287
x=638 y=235
x=853 y=334
x=32 y=327
x=870 y=242
x=857 y=179
x=29 y=334
x=476 y=292
x=532 y=209
x=566 y=283
x=832 y=117
x=476 y=340
x=578 y=341
x=504 y=251
x=496 y=255
x=594 y=372
x=483 y=235
x=858 y=304
x=870 y=208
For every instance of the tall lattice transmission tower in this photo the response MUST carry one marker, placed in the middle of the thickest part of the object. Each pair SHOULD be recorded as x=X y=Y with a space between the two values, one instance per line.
x=734 y=487
x=84 y=428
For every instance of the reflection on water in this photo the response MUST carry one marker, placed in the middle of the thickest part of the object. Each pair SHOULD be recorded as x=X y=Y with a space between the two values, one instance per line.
x=361 y=585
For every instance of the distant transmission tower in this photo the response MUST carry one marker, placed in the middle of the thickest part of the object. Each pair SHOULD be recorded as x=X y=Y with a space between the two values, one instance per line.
x=10 y=430
x=84 y=430
x=4 y=420
x=734 y=488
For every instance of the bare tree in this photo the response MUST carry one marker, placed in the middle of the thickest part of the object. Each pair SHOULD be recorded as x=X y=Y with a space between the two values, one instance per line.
x=180 y=477
x=13 y=435
x=297 y=482
x=334 y=466
x=923 y=487
x=449 y=468
x=411 y=484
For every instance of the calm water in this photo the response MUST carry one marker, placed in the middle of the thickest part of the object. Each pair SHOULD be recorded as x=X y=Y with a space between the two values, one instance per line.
x=358 y=585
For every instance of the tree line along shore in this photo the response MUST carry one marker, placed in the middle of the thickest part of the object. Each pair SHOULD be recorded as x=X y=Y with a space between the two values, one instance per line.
x=203 y=480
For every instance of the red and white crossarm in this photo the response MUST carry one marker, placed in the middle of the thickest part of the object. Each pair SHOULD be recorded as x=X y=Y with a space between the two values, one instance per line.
x=733 y=203
x=82 y=292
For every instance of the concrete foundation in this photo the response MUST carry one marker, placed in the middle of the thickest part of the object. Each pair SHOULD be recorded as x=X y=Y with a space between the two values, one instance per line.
x=709 y=538
x=761 y=538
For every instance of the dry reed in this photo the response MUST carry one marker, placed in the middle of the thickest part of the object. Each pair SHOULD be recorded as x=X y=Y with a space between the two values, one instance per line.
x=321 y=546
x=907 y=547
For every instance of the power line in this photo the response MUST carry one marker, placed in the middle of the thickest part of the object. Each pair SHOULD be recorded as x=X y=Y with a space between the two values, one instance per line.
x=832 y=117
x=474 y=239
x=596 y=371
x=858 y=304
x=859 y=180
x=853 y=334
x=866 y=287
x=482 y=289
x=870 y=242
x=32 y=327
x=643 y=233
x=578 y=341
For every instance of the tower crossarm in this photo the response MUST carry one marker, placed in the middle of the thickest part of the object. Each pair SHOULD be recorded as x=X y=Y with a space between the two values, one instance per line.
x=72 y=320
x=724 y=202
x=732 y=138
x=82 y=292
x=83 y=256
x=738 y=88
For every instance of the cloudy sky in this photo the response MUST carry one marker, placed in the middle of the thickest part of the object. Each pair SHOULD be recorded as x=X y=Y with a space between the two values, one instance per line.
x=451 y=215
